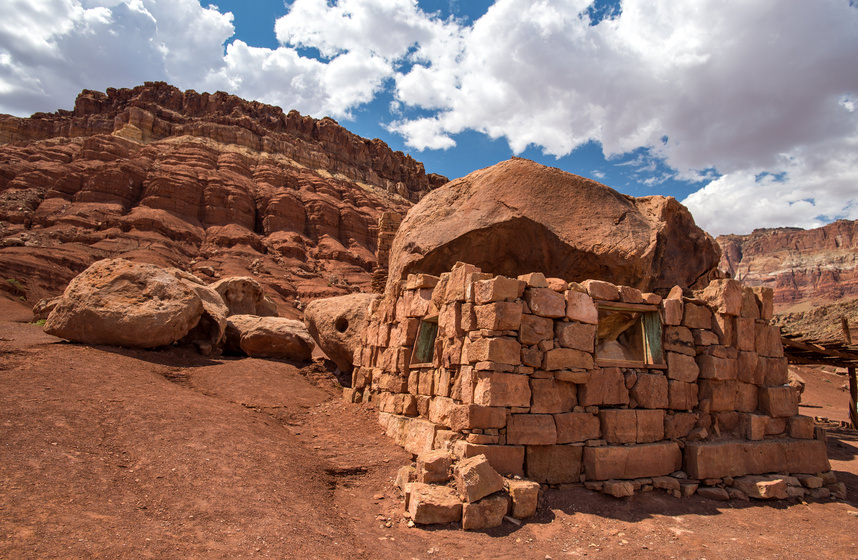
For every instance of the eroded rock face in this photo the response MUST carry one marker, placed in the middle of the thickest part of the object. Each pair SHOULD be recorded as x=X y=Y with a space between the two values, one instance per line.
x=243 y=295
x=816 y=265
x=337 y=325
x=212 y=184
x=269 y=337
x=122 y=303
x=518 y=216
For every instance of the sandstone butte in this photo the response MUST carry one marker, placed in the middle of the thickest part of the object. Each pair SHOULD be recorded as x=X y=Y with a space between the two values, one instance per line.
x=208 y=183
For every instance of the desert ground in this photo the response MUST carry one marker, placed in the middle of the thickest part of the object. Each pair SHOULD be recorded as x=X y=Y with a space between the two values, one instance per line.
x=114 y=453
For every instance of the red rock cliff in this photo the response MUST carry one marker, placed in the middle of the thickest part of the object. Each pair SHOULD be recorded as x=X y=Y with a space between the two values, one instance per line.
x=801 y=266
x=206 y=182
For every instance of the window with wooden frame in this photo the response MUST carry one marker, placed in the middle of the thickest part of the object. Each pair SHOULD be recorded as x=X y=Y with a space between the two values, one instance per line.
x=629 y=335
x=424 y=344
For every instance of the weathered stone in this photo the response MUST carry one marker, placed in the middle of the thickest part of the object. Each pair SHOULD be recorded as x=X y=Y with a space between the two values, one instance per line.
x=606 y=386
x=243 y=295
x=682 y=368
x=697 y=317
x=618 y=488
x=672 y=311
x=702 y=337
x=679 y=425
x=810 y=481
x=501 y=389
x=534 y=280
x=545 y=302
x=681 y=395
x=680 y=340
x=418 y=281
x=768 y=340
x=531 y=429
x=772 y=371
x=745 y=334
x=776 y=426
x=505 y=459
x=628 y=462
x=525 y=497
x=778 y=401
x=575 y=427
x=762 y=488
x=765 y=300
x=720 y=394
x=554 y=464
x=567 y=358
x=434 y=466
x=650 y=391
x=532 y=356
x=535 y=329
x=549 y=396
x=485 y=513
x=337 y=325
x=431 y=504
x=801 y=427
x=579 y=336
x=502 y=349
x=475 y=478
x=580 y=307
x=746 y=397
x=738 y=458
x=713 y=493
x=712 y=367
x=269 y=337
x=416 y=435
x=499 y=288
x=499 y=316
x=631 y=425
x=577 y=376
x=404 y=476
x=597 y=289
x=724 y=296
x=746 y=368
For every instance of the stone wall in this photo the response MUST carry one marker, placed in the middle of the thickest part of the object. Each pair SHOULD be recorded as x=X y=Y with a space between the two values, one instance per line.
x=520 y=373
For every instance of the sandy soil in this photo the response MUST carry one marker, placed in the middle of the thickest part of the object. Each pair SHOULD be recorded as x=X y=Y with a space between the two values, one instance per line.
x=112 y=453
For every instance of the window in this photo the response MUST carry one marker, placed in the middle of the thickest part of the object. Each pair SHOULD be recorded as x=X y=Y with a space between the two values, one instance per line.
x=629 y=335
x=424 y=344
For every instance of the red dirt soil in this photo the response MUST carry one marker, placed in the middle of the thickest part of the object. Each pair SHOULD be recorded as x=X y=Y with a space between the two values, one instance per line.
x=113 y=453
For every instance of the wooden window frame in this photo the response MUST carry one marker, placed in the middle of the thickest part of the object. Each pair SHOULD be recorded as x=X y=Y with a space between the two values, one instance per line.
x=649 y=342
x=425 y=320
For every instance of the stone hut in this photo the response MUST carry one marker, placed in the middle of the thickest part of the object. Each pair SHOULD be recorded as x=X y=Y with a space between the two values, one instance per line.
x=567 y=382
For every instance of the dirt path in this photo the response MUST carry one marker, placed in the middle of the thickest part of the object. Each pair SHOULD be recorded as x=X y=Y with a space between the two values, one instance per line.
x=109 y=453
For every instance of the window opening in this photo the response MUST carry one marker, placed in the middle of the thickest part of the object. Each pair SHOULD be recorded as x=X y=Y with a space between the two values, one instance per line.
x=629 y=335
x=424 y=344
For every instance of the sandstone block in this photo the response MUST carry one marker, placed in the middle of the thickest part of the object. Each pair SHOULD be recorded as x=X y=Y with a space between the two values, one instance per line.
x=724 y=295
x=778 y=401
x=525 y=497
x=505 y=459
x=681 y=395
x=697 y=317
x=745 y=334
x=501 y=389
x=499 y=316
x=666 y=483
x=776 y=426
x=672 y=311
x=531 y=429
x=768 y=340
x=532 y=356
x=418 y=281
x=650 y=391
x=549 y=396
x=630 y=295
x=430 y=504
x=580 y=307
x=579 y=336
x=750 y=307
x=503 y=350
x=746 y=368
x=486 y=513
x=578 y=376
x=535 y=329
x=762 y=488
x=534 y=280
x=713 y=493
x=680 y=340
x=629 y=462
x=416 y=435
x=606 y=386
x=545 y=302
x=575 y=427
x=434 y=466
x=567 y=358
x=554 y=464
x=650 y=425
x=746 y=397
x=679 y=425
x=619 y=488
x=475 y=478
x=404 y=476
x=631 y=425
x=801 y=427
x=721 y=394
x=765 y=300
x=773 y=371
x=739 y=458
x=753 y=426
x=597 y=289
x=712 y=367
x=499 y=288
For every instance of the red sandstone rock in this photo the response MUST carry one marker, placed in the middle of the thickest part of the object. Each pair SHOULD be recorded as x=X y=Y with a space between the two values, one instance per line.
x=337 y=325
x=554 y=464
x=244 y=296
x=543 y=219
x=269 y=337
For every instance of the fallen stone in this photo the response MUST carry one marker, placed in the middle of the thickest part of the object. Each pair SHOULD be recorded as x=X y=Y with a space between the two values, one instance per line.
x=475 y=478
x=525 y=497
x=431 y=504
x=337 y=325
x=434 y=466
x=269 y=337
x=713 y=493
x=618 y=488
x=485 y=513
x=762 y=488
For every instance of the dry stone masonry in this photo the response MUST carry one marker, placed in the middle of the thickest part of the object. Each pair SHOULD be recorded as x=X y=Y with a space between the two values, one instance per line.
x=591 y=382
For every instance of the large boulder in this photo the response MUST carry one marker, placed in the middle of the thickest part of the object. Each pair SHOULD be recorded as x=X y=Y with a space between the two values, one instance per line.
x=123 y=303
x=243 y=295
x=519 y=216
x=337 y=325
x=269 y=337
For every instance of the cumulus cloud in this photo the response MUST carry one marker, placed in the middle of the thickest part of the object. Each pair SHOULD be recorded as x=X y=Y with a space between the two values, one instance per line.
x=754 y=100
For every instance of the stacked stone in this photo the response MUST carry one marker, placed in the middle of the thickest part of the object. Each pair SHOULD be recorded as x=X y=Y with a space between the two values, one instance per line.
x=388 y=225
x=514 y=376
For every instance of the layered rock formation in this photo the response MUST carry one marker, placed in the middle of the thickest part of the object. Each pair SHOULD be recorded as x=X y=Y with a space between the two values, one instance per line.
x=211 y=184
x=519 y=216
x=803 y=267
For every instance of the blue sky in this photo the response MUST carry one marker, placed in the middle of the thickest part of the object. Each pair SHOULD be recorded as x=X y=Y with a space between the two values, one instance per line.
x=744 y=110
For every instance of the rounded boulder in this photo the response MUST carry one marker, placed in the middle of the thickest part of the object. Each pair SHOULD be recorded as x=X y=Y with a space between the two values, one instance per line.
x=337 y=325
